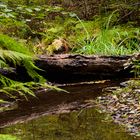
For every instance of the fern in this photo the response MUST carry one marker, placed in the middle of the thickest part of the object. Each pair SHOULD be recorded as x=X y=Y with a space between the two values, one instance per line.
x=12 y=52
x=5 y=81
x=9 y=43
x=13 y=57
x=17 y=54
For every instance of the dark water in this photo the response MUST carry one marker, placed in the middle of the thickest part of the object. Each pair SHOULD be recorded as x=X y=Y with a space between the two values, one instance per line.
x=38 y=123
x=87 y=124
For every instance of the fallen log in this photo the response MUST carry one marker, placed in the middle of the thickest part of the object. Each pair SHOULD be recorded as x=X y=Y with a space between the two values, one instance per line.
x=65 y=68
x=71 y=67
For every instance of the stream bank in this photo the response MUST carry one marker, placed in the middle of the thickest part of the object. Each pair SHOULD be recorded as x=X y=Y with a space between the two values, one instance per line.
x=123 y=105
x=95 y=97
x=52 y=102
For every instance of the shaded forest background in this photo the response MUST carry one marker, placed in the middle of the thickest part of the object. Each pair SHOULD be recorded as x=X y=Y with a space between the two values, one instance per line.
x=85 y=26
x=129 y=9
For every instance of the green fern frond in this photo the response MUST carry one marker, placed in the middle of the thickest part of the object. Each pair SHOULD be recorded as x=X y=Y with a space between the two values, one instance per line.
x=31 y=70
x=13 y=57
x=17 y=54
x=7 y=93
x=9 y=43
x=2 y=101
x=3 y=64
x=4 y=81
x=20 y=89
x=12 y=52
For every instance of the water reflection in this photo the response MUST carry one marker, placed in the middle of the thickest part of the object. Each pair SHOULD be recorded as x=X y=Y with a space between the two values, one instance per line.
x=87 y=124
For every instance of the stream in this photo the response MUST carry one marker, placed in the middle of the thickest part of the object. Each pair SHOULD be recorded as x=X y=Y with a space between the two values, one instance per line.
x=63 y=116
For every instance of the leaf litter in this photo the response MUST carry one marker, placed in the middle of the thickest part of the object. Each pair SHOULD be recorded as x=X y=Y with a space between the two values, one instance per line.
x=123 y=104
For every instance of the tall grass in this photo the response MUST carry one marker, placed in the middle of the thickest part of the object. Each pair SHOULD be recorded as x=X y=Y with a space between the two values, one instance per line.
x=109 y=40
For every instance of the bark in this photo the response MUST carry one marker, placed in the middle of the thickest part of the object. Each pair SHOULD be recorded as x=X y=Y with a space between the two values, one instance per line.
x=65 y=68
x=70 y=67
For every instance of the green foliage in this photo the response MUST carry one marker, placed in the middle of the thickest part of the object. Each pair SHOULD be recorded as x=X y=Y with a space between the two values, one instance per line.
x=108 y=39
x=136 y=68
x=26 y=21
x=115 y=41
x=10 y=21
x=8 y=137
x=18 y=89
x=40 y=25
x=2 y=101
x=14 y=53
x=101 y=36
x=9 y=43
x=17 y=54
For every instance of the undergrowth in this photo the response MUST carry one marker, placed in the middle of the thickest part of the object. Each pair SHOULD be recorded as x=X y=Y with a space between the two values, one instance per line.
x=39 y=26
x=34 y=28
x=109 y=39
x=13 y=54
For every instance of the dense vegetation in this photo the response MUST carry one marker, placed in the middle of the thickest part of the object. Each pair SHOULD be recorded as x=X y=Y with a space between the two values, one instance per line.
x=86 y=27
x=114 y=29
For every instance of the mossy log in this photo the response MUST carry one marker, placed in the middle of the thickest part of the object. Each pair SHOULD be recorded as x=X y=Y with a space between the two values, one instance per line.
x=65 y=68
x=71 y=67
